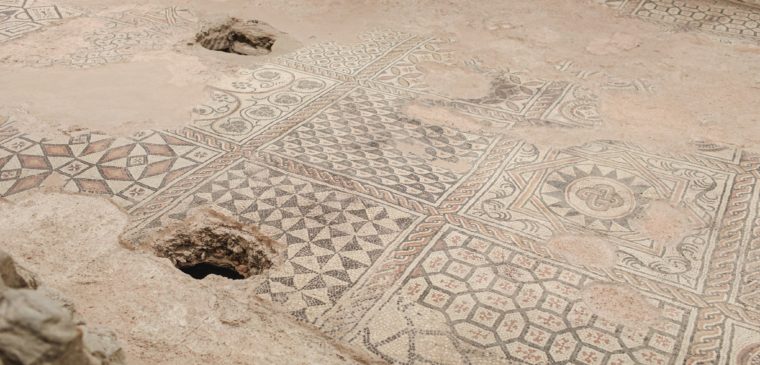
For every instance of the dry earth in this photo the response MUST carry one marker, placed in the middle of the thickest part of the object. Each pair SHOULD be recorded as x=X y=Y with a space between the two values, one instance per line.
x=405 y=182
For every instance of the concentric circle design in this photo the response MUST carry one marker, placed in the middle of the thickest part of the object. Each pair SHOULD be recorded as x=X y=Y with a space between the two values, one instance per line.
x=268 y=75
x=307 y=85
x=581 y=111
x=596 y=196
x=232 y=126
x=600 y=197
x=261 y=112
x=285 y=99
x=259 y=80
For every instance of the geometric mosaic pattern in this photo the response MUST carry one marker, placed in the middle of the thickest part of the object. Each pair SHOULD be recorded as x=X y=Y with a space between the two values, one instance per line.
x=598 y=189
x=18 y=17
x=332 y=237
x=22 y=165
x=723 y=19
x=131 y=169
x=515 y=99
x=246 y=103
x=407 y=252
x=347 y=60
x=748 y=291
x=742 y=348
x=508 y=302
x=116 y=37
x=126 y=169
x=355 y=137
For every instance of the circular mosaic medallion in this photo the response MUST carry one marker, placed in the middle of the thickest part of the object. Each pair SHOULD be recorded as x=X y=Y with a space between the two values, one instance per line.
x=285 y=99
x=307 y=85
x=261 y=112
x=232 y=126
x=581 y=111
x=596 y=196
x=256 y=81
x=268 y=75
x=600 y=197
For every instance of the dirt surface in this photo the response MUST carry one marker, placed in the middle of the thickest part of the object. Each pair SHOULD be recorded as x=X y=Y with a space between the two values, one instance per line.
x=619 y=303
x=442 y=182
x=508 y=35
x=138 y=95
x=162 y=315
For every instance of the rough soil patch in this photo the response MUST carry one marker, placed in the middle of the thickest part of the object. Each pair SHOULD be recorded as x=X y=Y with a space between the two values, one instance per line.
x=584 y=249
x=210 y=242
x=243 y=37
x=620 y=304
x=160 y=315
x=454 y=80
x=665 y=224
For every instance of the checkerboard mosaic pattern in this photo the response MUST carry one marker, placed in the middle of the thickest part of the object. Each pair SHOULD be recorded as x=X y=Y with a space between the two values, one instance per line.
x=416 y=262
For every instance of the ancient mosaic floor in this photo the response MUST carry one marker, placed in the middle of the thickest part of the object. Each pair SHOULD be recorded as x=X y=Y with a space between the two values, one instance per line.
x=417 y=263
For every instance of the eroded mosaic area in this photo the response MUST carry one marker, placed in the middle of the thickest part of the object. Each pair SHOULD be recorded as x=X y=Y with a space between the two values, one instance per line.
x=19 y=17
x=422 y=262
x=725 y=19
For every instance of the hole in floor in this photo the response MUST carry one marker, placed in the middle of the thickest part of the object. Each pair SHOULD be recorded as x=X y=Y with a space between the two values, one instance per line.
x=200 y=271
x=243 y=37
x=211 y=243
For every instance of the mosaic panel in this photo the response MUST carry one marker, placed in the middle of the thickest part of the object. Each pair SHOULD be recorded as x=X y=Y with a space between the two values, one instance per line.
x=600 y=188
x=127 y=169
x=360 y=136
x=242 y=105
x=346 y=60
x=332 y=236
x=493 y=302
x=721 y=18
x=514 y=99
x=407 y=238
x=742 y=344
x=19 y=17
x=748 y=290
x=118 y=36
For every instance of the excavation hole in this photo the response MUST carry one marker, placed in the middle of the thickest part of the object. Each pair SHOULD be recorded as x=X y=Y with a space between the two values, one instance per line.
x=243 y=37
x=200 y=271
x=208 y=242
x=221 y=250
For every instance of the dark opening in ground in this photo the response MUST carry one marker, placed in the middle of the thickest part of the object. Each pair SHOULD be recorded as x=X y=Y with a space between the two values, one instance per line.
x=211 y=242
x=229 y=252
x=200 y=271
x=251 y=37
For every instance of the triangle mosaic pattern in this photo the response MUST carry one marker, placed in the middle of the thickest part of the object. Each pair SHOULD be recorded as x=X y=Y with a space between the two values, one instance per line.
x=332 y=237
x=405 y=253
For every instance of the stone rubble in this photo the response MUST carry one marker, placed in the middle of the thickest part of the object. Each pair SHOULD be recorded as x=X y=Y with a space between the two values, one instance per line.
x=36 y=329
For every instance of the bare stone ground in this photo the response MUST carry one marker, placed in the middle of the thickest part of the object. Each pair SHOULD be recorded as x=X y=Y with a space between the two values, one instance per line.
x=442 y=182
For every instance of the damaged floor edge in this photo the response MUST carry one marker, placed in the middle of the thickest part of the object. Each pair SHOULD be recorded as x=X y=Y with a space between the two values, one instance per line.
x=94 y=264
x=489 y=185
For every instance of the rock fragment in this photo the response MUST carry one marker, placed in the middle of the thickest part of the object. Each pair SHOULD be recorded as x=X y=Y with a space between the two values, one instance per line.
x=37 y=330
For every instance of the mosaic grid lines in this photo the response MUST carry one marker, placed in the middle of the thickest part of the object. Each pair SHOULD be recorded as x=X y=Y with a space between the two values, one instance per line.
x=407 y=250
x=19 y=17
x=127 y=169
x=723 y=19
x=502 y=300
